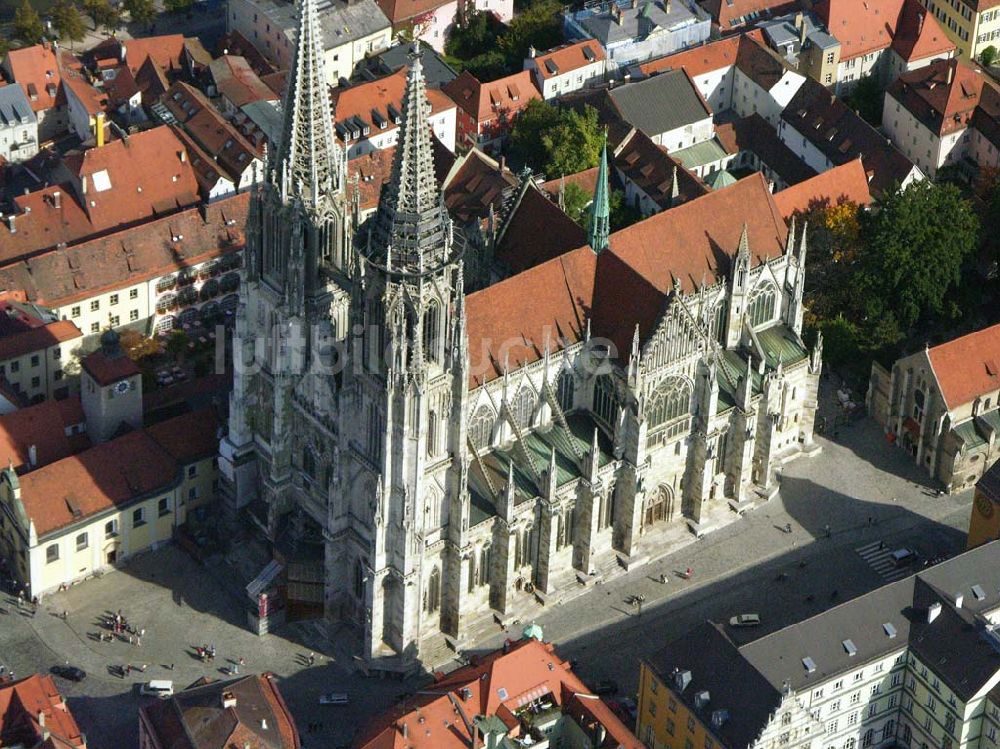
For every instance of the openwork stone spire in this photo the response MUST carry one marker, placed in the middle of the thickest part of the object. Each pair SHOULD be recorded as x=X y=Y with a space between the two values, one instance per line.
x=598 y=236
x=310 y=162
x=412 y=231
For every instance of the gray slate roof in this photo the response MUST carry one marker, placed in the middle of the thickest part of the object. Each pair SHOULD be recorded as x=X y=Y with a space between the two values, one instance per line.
x=14 y=107
x=341 y=22
x=603 y=27
x=660 y=103
x=436 y=71
x=954 y=645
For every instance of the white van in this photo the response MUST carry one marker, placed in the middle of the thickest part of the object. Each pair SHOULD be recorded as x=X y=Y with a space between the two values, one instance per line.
x=161 y=688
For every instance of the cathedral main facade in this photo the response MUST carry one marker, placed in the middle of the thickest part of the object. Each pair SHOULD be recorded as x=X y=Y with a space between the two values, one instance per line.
x=452 y=457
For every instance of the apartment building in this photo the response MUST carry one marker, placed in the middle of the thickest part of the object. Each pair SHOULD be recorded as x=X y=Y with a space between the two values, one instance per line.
x=911 y=664
x=487 y=111
x=972 y=25
x=38 y=351
x=568 y=68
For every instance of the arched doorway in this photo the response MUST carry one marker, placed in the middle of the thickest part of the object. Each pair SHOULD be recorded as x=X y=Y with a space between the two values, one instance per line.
x=659 y=507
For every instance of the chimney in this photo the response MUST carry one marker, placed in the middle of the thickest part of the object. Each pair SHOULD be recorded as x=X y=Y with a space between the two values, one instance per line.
x=951 y=73
x=959 y=599
x=33 y=455
x=10 y=222
x=183 y=155
x=933 y=611
x=56 y=199
x=41 y=718
x=532 y=52
x=124 y=52
x=228 y=700
x=263 y=724
x=920 y=21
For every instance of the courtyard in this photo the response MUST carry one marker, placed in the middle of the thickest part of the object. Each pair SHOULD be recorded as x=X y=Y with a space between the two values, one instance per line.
x=868 y=493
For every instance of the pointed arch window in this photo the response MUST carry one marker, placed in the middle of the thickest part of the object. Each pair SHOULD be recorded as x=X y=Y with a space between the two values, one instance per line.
x=432 y=600
x=432 y=446
x=762 y=306
x=309 y=462
x=670 y=400
x=472 y=581
x=718 y=322
x=432 y=327
x=564 y=390
x=523 y=406
x=374 y=436
x=359 y=579
x=605 y=399
x=485 y=560
x=481 y=427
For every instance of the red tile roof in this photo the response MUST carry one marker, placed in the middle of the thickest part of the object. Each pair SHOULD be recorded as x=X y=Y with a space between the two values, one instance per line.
x=650 y=168
x=359 y=100
x=108 y=370
x=131 y=255
x=398 y=11
x=165 y=50
x=22 y=701
x=494 y=99
x=536 y=231
x=943 y=96
x=42 y=425
x=704 y=59
x=237 y=81
x=475 y=185
x=189 y=437
x=35 y=69
x=687 y=245
x=21 y=333
x=755 y=135
x=585 y=180
x=111 y=474
x=372 y=171
x=845 y=183
x=864 y=26
x=569 y=57
x=502 y=326
x=497 y=686
x=967 y=367
x=92 y=99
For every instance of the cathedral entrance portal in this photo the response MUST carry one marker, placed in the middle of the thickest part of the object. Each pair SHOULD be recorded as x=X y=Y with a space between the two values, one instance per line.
x=660 y=507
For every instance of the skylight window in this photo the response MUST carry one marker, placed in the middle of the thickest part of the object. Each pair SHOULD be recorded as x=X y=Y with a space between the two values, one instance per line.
x=102 y=181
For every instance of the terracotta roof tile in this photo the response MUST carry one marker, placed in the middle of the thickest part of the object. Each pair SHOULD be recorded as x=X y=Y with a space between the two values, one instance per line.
x=704 y=59
x=22 y=333
x=536 y=231
x=92 y=99
x=498 y=685
x=494 y=99
x=943 y=96
x=967 y=367
x=110 y=474
x=585 y=180
x=847 y=182
x=569 y=57
x=131 y=255
x=500 y=324
x=237 y=81
x=36 y=70
x=474 y=185
x=755 y=135
x=359 y=100
x=20 y=704
x=372 y=171
x=730 y=14
x=42 y=426
x=650 y=168
x=864 y=26
x=918 y=34
x=190 y=437
x=398 y=11
x=108 y=370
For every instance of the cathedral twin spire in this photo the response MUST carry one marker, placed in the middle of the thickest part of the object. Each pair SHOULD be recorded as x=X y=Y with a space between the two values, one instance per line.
x=310 y=163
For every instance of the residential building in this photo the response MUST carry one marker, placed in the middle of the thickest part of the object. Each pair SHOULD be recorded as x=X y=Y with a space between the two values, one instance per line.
x=749 y=143
x=368 y=114
x=99 y=190
x=824 y=132
x=654 y=181
x=805 y=43
x=567 y=68
x=728 y=15
x=37 y=70
x=945 y=114
x=912 y=663
x=248 y=711
x=984 y=523
x=485 y=459
x=236 y=83
x=666 y=107
x=222 y=160
x=487 y=111
x=18 y=125
x=432 y=20
x=33 y=713
x=942 y=405
x=972 y=26
x=168 y=271
x=632 y=31
x=37 y=351
x=352 y=29
x=117 y=492
x=87 y=105
x=846 y=183
x=538 y=701
x=884 y=38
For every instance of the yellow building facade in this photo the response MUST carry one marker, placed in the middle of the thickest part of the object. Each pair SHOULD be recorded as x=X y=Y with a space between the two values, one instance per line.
x=972 y=26
x=984 y=523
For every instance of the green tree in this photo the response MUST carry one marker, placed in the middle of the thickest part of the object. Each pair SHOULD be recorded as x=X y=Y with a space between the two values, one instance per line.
x=988 y=56
x=526 y=138
x=28 y=25
x=575 y=143
x=841 y=341
x=479 y=32
x=912 y=252
x=140 y=11
x=576 y=203
x=107 y=15
x=176 y=6
x=67 y=21
x=866 y=99
x=622 y=214
x=540 y=26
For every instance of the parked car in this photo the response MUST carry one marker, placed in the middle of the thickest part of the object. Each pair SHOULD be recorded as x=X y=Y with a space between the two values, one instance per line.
x=160 y=688
x=70 y=672
x=903 y=557
x=334 y=698
x=745 y=620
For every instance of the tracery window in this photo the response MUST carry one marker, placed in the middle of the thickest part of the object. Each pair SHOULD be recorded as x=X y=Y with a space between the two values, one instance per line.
x=762 y=306
x=670 y=400
x=523 y=406
x=481 y=427
x=432 y=339
x=605 y=400
x=564 y=390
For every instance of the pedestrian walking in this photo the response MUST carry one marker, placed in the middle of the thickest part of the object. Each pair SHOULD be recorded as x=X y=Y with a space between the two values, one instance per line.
x=243 y=661
x=663 y=578
x=138 y=642
x=870 y=521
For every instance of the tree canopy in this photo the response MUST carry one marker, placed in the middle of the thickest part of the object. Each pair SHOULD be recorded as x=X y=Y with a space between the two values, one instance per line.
x=104 y=14
x=489 y=50
x=28 y=25
x=866 y=99
x=557 y=141
x=140 y=11
x=67 y=21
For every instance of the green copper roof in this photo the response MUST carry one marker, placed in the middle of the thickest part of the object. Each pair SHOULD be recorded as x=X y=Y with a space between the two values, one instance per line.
x=706 y=152
x=720 y=179
x=600 y=210
x=781 y=345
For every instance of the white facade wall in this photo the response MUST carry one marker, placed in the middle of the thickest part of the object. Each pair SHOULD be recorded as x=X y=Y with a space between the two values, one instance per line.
x=444 y=124
x=565 y=83
x=717 y=87
x=982 y=151
x=850 y=71
x=19 y=141
x=749 y=98
x=687 y=135
x=922 y=146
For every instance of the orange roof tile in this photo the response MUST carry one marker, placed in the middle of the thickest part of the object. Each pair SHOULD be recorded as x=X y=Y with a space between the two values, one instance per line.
x=967 y=367
x=864 y=26
x=22 y=701
x=494 y=99
x=108 y=370
x=398 y=11
x=34 y=336
x=918 y=34
x=36 y=70
x=845 y=183
x=730 y=14
x=189 y=437
x=478 y=183
x=537 y=230
x=131 y=255
x=501 y=326
x=372 y=171
x=943 y=96
x=499 y=685
x=108 y=475
x=706 y=58
x=42 y=426
x=165 y=50
x=92 y=99
x=359 y=100
x=237 y=81
x=650 y=168
x=569 y=57
x=585 y=180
